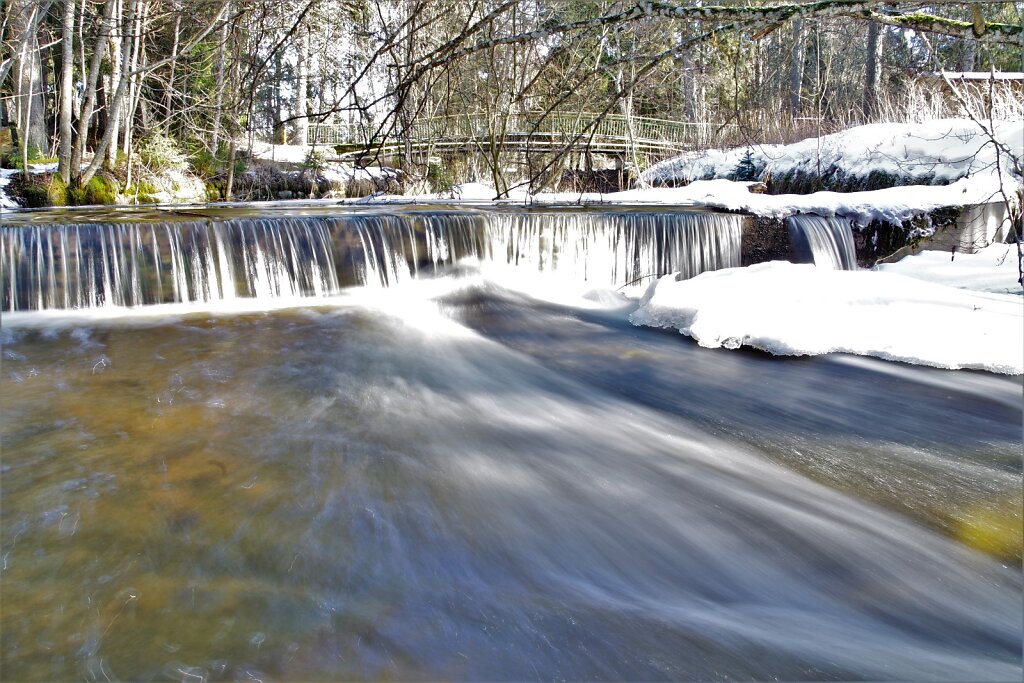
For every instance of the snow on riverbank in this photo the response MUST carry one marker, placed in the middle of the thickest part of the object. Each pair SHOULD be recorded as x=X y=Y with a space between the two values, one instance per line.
x=939 y=151
x=793 y=310
x=993 y=269
x=947 y=162
x=5 y=178
x=7 y=174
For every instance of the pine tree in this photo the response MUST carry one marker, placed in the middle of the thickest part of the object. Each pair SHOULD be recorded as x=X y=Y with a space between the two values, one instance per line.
x=747 y=168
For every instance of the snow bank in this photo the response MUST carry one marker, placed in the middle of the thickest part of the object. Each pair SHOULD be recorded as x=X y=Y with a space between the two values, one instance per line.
x=478 y=192
x=296 y=154
x=289 y=154
x=947 y=162
x=339 y=173
x=993 y=269
x=940 y=151
x=5 y=178
x=789 y=309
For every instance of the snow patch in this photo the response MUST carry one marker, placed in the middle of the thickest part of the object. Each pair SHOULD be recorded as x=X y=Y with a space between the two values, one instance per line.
x=992 y=269
x=7 y=174
x=337 y=172
x=940 y=151
x=793 y=310
x=289 y=154
x=5 y=179
x=946 y=162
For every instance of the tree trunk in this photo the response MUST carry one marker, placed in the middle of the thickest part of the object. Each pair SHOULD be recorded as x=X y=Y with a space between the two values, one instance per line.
x=25 y=138
x=229 y=188
x=219 y=105
x=31 y=109
x=970 y=54
x=690 y=87
x=119 y=53
x=66 y=90
x=169 y=93
x=83 y=67
x=89 y=103
x=279 y=135
x=796 y=68
x=135 y=89
x=872 y=70
x=116 y=100
x=50 y=69
x=134 y=85
x=302 y=77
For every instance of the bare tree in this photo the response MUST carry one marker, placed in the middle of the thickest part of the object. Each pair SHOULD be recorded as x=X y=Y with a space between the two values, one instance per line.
x=66 y=89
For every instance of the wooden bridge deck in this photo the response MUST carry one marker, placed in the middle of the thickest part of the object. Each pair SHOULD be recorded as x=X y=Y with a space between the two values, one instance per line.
x=612 y=133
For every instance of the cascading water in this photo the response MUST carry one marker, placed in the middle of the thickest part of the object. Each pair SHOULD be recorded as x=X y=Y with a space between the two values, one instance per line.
x=132 y=264
x=825 y=241
x=461 y=481
x=614 y=249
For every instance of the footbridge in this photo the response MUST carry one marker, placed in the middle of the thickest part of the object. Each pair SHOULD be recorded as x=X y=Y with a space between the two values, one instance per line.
x=532 y=132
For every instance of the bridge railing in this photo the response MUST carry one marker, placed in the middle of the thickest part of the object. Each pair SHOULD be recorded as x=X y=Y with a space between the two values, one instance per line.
x=336 y=134
x=551 y=127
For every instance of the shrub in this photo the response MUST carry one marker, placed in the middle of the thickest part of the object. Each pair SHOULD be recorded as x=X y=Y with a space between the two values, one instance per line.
x=34 y=193
x=35 y=196
x=366 y=185
x=161 y=153
x=11 y=157
x=315 y=162
x=260 y=181
x=203 y=163
x=440 y=177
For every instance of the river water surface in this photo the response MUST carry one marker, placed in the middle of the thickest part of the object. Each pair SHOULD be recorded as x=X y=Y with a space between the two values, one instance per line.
x=457 y=481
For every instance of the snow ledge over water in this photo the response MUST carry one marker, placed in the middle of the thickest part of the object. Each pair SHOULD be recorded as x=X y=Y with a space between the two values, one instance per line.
x=795 y=310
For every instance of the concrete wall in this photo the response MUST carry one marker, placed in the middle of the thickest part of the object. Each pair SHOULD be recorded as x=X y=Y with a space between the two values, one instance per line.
x=764 y=239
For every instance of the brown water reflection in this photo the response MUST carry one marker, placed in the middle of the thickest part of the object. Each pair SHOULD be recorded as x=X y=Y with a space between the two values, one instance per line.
x=137 y=509
x=315 y=494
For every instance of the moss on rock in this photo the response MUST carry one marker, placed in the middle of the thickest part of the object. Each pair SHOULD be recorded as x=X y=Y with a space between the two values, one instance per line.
x=101 y=189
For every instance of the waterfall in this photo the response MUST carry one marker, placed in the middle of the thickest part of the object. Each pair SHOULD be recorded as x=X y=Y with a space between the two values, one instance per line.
x=618 y=249
x=132 y=264
x=825 y=241
x=90 y=265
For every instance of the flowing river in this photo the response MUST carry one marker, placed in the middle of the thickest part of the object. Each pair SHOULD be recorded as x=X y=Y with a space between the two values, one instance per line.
x=454 y=477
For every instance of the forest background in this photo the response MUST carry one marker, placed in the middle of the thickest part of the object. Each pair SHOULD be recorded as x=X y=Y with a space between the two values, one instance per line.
x=115 y=90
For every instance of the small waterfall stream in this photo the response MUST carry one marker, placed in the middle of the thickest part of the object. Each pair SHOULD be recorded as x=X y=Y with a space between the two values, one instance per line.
x=88 y=265
x=825 y=241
